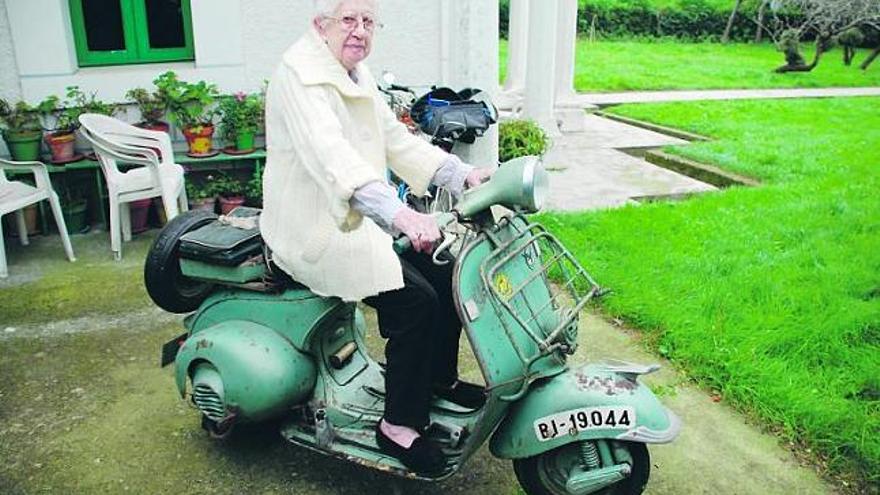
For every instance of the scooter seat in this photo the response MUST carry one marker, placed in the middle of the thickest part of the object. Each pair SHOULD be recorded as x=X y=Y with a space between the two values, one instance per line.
x=228 y=241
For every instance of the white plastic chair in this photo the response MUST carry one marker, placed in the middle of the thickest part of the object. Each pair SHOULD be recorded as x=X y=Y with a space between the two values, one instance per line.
x=15 y=195
x=116 y=142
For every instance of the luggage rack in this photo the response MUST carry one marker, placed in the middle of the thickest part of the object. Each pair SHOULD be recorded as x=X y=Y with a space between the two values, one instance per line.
x=546 y=312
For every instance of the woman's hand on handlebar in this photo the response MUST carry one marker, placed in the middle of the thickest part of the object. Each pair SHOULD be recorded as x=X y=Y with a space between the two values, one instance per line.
x=478 y=175
x=421 y=229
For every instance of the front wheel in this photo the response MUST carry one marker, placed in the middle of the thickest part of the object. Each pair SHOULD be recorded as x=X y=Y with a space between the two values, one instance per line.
x=548 y=473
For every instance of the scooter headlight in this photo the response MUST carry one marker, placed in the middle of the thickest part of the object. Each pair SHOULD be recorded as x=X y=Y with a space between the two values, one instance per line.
x=536 y=184
x=519 y=183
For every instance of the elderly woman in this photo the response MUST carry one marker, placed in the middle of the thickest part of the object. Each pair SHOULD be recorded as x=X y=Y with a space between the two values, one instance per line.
x=329 y=215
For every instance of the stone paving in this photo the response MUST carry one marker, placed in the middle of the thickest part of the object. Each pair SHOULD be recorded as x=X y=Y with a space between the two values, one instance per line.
x=588 y=170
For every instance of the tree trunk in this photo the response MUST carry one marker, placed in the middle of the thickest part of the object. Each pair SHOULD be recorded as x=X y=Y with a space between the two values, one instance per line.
x=870 y=58
x=759 y=32
x=726 y=36
x=822 y=44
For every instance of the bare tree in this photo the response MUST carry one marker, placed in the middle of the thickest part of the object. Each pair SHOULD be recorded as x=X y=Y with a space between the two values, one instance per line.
x=726 y=36
x=759 y=32
x=822 y=20
x=867 y=62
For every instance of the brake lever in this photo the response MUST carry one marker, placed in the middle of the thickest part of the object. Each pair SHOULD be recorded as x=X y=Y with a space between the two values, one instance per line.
x=444 y=246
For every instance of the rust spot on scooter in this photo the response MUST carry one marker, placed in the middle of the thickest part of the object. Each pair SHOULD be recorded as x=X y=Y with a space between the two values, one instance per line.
x=204 y=344
x=605 y=384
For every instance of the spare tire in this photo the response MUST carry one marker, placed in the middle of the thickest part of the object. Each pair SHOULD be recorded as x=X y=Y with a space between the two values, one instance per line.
x=167 y=287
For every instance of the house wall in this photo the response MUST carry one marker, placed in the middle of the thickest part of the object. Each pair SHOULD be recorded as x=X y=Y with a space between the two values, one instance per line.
x=10 y=88
x=238 y=44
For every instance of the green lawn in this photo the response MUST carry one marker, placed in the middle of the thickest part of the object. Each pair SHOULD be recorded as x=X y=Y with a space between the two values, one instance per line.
x=643 y=65
x=770 y=295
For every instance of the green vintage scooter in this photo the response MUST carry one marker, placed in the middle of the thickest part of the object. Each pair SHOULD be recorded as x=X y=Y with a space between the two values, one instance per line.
x=255 y=350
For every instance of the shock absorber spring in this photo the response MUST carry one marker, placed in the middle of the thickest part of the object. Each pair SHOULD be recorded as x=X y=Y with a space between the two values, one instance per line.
x=589 y=455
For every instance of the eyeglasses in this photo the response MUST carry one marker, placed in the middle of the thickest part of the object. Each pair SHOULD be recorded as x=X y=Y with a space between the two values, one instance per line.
x=350 y=22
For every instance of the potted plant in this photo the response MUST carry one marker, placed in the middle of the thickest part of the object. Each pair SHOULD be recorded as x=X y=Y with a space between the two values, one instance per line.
x=241 y=116
x=74 y=207
x=230 y=192
x=191 y=107
x=21 y=129
x=521 y=138
x=254 y=189
x=201 y=197
x=60 y=119
x=152 y=107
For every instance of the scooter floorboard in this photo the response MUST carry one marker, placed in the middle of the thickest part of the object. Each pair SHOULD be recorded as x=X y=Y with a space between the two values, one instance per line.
x=357 y=444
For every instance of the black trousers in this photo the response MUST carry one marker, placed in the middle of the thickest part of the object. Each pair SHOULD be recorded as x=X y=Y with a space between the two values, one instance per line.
x=422 y=327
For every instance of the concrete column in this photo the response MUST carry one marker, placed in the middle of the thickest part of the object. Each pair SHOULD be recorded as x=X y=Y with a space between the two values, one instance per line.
x=473 y=62
x=565 y=50
x=517 y=45
x=538 y=104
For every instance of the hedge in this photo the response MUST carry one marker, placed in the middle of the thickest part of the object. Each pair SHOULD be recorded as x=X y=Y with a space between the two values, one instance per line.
x=685 y=19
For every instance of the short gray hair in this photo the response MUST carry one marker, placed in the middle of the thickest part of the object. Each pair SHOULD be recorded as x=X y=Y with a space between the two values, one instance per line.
x=327 y=7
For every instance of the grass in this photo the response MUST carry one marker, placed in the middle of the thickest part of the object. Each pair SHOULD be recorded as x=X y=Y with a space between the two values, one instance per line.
x=62 y=290
x=769 y=295
x=658 y=65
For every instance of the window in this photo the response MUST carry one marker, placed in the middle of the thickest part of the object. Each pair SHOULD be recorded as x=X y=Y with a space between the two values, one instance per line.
x=113 y=32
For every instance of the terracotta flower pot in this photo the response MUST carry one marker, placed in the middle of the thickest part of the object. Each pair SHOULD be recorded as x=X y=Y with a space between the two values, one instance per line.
x=207 y=204
x=139 y=211
x=63 y=146
x=30 y=221
x=199 y=139
x=155 y=126
x=231 y=203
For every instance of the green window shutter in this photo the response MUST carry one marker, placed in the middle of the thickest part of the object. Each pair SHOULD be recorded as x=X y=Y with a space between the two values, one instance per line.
x=146 y=47
x=116 y=32
x=92 y=26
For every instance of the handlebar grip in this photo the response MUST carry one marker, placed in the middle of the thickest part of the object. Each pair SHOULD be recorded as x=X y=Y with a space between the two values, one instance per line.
x=403 y=244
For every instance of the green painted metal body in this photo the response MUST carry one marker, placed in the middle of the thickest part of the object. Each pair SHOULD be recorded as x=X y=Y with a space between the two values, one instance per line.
x=248 y=271
x=257 y=342
x=592 y=385
x=273 y=353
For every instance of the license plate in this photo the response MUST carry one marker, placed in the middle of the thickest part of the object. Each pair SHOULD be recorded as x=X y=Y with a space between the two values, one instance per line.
x=588 y=418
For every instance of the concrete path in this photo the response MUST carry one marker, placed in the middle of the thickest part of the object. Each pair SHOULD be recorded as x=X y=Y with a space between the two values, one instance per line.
x=586 y=100
x=588 y=170
x=717 y=453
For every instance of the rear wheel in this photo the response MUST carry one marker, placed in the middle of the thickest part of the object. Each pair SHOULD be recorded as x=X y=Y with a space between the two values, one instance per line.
x=168 y=288
x=547 y=473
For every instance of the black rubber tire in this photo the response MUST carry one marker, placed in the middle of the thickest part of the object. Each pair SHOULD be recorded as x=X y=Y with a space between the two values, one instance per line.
x=528 y=472
x=167 y=287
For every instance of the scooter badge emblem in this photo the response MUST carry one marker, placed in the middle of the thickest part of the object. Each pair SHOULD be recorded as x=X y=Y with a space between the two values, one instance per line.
x=503 y=286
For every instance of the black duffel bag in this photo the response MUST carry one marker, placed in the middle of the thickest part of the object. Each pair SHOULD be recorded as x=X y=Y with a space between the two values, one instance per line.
x=442 y=113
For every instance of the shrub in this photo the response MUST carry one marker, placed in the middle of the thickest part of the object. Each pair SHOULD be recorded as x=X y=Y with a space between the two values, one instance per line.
x=521 y=138
x=684 y=19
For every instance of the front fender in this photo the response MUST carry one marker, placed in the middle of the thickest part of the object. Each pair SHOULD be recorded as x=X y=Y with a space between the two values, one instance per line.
x=262 y=373
x=592 y=385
